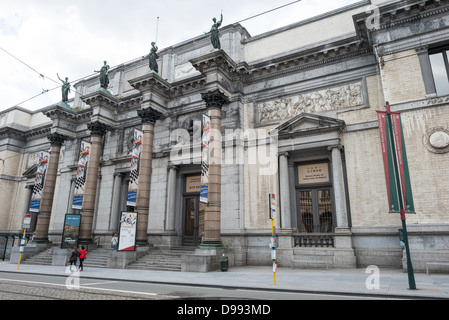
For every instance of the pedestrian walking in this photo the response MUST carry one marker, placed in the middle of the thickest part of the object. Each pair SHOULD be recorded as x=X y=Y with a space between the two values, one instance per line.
x=82 y=257
x=114 y=242
x=73 y=257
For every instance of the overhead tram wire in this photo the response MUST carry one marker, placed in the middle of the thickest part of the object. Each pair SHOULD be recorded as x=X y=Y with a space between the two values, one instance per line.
x=261 y=14
x=133 y=60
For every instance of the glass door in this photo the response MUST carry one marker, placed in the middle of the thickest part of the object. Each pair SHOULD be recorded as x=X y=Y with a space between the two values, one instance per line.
x=193 y=221
x=315 y=210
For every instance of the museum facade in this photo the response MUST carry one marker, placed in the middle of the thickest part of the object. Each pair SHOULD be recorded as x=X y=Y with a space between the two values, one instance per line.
x=293 y=112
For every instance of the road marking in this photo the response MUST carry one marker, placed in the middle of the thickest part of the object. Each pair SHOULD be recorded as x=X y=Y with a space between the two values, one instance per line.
x=82 y=287
x=95 y=283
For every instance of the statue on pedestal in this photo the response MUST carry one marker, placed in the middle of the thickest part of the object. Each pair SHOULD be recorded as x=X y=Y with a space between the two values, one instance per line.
x=104 y=77
x=152 y=57
x=215 y=33
x=65 y=88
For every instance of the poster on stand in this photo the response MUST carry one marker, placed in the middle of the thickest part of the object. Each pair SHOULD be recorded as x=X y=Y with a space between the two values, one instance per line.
x=81 y=174
x=128 y=228
x=39 y=181
x=135 y=165
x=71 y=231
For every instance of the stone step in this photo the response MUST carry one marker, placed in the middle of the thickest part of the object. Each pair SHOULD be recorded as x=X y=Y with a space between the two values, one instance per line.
x=44 y=257
x=165 y=260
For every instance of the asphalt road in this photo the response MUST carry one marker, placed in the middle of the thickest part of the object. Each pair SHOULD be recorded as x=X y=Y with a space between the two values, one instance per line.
x=17 y=286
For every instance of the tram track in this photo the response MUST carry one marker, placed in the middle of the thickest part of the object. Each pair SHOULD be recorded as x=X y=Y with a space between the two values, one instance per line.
x=21 y=290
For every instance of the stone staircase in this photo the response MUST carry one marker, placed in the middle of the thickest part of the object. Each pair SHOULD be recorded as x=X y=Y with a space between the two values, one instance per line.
x=43 y=258
x=97 y=258
x=162 y=260
x=155 y=259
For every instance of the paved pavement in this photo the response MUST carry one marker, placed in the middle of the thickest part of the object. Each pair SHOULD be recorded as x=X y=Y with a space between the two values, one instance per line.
x=391 y=282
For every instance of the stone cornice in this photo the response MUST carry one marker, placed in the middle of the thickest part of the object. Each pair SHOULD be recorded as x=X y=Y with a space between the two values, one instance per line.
x=150 y=81
x=307 y=59
x=100 y=96
x=400 y=13
x=25 y=134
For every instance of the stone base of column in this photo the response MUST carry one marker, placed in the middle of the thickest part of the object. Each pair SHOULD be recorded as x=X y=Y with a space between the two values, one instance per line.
x=205 y=259
x=344 y=255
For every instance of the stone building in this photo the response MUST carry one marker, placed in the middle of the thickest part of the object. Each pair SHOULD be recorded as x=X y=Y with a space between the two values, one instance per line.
x=296 y=109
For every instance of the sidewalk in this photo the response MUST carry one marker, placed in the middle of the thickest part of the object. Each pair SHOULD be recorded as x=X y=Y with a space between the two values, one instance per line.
x=392 y=282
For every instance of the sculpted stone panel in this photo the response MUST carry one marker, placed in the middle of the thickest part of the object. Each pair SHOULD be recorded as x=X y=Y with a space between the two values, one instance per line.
x=336 y=98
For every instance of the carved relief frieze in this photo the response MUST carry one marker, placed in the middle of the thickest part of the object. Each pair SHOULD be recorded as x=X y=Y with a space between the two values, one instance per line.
x=336 y=98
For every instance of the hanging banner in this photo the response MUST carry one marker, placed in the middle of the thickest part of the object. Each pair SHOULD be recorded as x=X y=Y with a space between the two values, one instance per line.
x=205 y=160
x=392 y=143
x=128 y=227
x=401 y=153
x=71 y=231
x=39 y=181
x=81 y=174
x=135 y=165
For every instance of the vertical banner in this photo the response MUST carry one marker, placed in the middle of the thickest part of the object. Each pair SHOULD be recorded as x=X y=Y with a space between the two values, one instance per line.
x=401 y=153
x=135 y=165
x=71 y=231
x=392 y=143
x=39 y=181
x=128 y=227
x=81 y=175
x=205 y=160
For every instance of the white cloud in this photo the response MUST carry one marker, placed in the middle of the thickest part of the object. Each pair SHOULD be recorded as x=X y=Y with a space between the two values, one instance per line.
x=74 y=38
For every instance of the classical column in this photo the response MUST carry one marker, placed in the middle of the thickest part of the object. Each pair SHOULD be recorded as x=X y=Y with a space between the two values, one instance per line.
x=43 y=221
x=171 y=197
x=149 y=117
x=215 y=100
x=339 y=187
x=115 y=210
x=284 y=188
x=98 y=130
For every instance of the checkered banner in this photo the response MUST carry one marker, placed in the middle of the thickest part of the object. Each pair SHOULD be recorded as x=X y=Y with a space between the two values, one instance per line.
x=135 y=165
x=81 y=174
x=39 y=181
x=205 y=154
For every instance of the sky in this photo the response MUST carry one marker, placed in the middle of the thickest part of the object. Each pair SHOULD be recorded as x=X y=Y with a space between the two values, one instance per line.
x=72 y=38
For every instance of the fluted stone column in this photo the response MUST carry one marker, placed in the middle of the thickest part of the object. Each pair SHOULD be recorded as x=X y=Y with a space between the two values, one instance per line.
x=171 y=196
x=98 y=130
x=284 y=186
x=339 y=187
x=215 y=100
x=43 y=221
x=149 y=117
x=115 y=211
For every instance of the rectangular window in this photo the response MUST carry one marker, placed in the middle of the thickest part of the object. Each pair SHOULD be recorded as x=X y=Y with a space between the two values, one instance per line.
x=440 y=70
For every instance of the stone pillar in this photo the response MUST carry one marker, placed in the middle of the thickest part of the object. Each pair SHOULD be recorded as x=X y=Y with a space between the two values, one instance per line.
x=215 y=100
x=43 y=221
x=171 y=198
x=339 y=187
x=284 y=188
x=115 y=210
x=344 y=257
x=149 y=117
x=98 y=130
